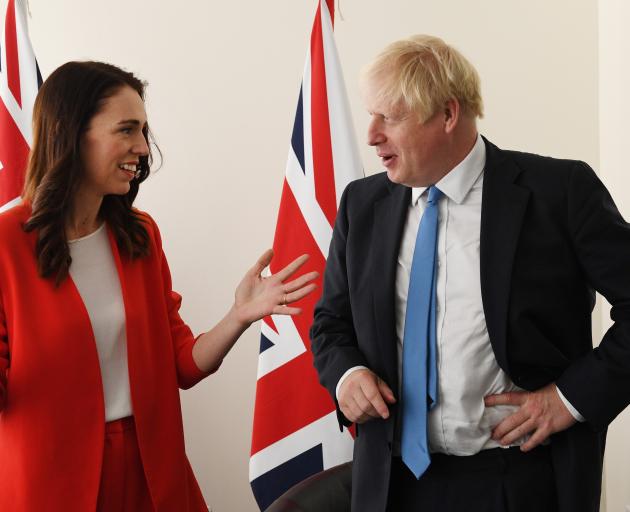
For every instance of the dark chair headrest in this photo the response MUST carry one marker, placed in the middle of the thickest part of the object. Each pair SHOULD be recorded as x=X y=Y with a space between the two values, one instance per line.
x=326 y=491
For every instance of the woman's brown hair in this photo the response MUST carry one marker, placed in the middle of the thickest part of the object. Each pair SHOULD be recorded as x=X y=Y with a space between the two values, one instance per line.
x=64 y=107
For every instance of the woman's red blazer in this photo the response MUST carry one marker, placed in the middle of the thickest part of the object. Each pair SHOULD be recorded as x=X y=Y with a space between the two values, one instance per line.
x=51 y=397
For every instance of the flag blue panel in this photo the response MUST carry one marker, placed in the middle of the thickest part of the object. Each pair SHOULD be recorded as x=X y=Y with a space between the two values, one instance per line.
x=268 y=487
x=297 y=137
x=265 y=343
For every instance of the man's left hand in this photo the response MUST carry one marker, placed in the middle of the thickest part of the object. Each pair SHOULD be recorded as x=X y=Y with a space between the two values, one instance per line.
x=541 y=414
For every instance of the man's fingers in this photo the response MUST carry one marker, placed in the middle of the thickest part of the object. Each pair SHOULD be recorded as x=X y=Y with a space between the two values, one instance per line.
x=386 y=391
x=537 y=438
x=518 y=432
x=360 y=397
x=541 y=413
x=372 y=393
x=354 y=412
x=509 y=424
x=366 y=407
x=511 y=398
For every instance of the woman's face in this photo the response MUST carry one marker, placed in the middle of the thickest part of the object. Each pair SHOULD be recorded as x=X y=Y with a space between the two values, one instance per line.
x=112 y=145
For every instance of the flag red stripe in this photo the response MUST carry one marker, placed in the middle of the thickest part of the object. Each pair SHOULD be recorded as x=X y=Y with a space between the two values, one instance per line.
x=290 y=397
x=331 y=10
x=13 y=63
x=279 y=414
x=272 y=325
x=292 y=239
x=325 y=191
x=13 y=156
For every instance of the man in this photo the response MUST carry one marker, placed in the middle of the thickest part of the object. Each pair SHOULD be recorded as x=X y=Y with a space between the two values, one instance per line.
x=455 y=323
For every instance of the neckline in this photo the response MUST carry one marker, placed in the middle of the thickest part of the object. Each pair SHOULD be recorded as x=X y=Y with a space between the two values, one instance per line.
x=93 y=233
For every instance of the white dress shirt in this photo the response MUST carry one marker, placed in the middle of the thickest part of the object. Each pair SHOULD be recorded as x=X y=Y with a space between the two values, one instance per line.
x=460 y=423
x=94 y=273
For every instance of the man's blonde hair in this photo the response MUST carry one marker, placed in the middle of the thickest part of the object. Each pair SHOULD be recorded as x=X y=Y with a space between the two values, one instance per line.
x=423 y=73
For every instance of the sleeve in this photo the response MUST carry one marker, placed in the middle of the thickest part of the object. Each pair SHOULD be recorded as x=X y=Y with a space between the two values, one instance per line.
x=345 y=376
x=188 y=373
x=598 y=383
x=333 y=338
x=574 y=412
x=4 y=357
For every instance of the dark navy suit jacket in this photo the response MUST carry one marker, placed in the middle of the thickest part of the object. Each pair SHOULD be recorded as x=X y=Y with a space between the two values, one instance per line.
x=550 y=236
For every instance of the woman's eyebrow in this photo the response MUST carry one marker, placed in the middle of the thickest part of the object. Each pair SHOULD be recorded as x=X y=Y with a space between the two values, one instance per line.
x=129 y=121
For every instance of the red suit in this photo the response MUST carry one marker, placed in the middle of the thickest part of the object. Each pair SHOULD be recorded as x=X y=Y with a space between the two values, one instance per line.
x=51 y=399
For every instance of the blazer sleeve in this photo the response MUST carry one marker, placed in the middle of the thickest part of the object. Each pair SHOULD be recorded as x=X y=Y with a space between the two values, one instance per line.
x=333 y=337
x=188 y=373
x=4 y=357
x=598 y=383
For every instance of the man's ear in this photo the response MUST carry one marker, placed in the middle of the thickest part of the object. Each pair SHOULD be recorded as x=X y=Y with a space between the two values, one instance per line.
x=451 y=115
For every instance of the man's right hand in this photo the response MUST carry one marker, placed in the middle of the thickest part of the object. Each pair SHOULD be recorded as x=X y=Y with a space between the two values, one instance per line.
x=364 y=396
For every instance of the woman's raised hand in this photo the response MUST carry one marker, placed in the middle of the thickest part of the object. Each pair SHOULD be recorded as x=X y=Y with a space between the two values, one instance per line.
x=257 y=296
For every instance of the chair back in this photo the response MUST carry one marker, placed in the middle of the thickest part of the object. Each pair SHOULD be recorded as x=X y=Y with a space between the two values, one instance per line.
x=327 y=491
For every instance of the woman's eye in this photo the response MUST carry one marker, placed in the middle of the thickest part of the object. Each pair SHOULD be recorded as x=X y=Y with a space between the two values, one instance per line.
x=126 y=131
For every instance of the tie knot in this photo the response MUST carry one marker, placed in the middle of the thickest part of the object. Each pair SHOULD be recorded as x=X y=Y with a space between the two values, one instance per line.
x=434 y=194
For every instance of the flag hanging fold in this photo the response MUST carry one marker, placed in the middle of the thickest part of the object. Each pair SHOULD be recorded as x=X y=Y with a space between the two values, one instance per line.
x=20 y=80
x=295 y=432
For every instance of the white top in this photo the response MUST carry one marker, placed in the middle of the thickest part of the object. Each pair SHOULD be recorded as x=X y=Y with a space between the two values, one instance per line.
x=94 y=273
x=460 y=423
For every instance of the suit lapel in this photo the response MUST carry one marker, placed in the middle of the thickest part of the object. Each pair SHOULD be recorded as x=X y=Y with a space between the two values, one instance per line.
x=389 y=219
x=503 y=208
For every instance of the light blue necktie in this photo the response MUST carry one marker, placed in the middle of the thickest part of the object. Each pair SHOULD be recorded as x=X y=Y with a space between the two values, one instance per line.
x=419 y=373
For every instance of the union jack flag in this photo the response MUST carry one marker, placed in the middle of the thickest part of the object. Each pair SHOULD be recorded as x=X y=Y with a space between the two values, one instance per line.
x=19 y=81
x=295 y=431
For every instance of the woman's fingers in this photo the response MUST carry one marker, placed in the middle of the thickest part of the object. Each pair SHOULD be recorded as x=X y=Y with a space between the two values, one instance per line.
x=286 y=310
x=262 y=262
x=291 y=268
x=299 y=282
x=298 y=294
x=291 y=291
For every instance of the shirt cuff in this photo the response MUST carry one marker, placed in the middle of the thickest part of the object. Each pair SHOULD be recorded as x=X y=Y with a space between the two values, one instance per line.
x=344 y=376
x=574 y=412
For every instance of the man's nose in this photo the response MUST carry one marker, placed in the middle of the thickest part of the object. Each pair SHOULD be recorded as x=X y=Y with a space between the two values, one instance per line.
x=375 y=135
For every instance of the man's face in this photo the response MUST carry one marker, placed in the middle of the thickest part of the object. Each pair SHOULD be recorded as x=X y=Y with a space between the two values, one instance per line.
x=413 y=153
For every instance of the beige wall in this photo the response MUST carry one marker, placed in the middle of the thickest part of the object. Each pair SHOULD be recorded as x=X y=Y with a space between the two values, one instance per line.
x=224 y=80
x=614 y=112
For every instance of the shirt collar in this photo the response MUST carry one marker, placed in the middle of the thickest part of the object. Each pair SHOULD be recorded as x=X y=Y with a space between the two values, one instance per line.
x=458 y=182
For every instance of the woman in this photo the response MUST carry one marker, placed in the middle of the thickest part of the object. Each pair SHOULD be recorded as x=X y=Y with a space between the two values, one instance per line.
x=92 y=348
